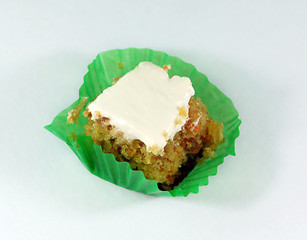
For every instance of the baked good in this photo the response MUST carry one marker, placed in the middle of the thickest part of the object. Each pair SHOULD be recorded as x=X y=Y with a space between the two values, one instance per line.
x=153 y=122
x=111 y=67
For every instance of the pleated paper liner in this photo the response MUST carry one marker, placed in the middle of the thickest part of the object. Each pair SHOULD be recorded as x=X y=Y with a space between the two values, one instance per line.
x=101 y=73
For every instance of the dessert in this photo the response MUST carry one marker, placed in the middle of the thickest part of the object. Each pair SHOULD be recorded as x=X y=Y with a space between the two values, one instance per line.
x=153 y=122
x=179 y=155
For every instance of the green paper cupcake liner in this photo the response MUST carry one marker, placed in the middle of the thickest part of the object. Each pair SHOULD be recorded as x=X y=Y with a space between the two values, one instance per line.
x=101 y=73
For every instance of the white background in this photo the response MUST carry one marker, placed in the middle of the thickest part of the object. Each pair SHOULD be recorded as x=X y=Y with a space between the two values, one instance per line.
x=254 y=51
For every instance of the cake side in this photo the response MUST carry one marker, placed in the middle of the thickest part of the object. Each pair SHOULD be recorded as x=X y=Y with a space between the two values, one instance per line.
x=200 y=136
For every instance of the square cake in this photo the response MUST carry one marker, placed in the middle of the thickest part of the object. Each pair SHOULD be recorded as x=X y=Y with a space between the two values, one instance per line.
x=154 y=123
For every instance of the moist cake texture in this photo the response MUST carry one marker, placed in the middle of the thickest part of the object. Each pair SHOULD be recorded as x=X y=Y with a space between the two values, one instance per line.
x=198 y=137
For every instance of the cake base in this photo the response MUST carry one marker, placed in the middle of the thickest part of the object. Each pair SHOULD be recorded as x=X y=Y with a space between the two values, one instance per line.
x=199 y=137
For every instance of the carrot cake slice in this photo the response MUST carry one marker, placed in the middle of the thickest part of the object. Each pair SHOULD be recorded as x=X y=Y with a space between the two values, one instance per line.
x=153 y=122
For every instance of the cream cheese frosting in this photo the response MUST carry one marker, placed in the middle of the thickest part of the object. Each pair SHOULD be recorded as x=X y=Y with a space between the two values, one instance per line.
x=146 y=104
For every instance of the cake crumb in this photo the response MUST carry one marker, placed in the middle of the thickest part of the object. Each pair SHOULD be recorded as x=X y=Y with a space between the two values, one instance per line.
x=178 y=121
x=97 y=115
x=73 y=136
x=115 y=80
x=120 y=65
x=183 y=111
x=155 y=150
x=73 y=114
x=86 y=113
x=165 y=134
x=167 y=67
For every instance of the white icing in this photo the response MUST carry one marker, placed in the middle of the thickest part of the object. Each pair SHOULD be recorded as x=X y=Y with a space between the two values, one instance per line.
x=144 y=104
